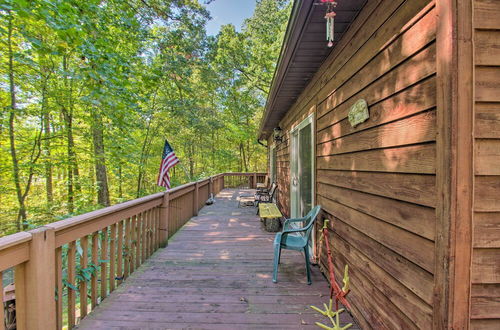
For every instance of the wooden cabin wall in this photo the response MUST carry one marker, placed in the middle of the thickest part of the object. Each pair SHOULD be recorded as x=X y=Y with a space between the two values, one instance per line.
x=377 y=181
x=485 y=277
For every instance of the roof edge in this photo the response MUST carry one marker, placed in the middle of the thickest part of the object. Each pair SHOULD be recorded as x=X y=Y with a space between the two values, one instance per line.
x=300 y=13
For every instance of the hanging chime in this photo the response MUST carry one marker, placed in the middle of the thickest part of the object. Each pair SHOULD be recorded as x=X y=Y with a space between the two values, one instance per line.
x=330 y=20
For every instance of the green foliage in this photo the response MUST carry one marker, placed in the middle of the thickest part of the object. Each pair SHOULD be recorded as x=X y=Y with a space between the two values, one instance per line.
x=129 y=74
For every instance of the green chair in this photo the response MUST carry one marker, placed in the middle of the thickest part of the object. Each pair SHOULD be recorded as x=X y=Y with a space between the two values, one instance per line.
x=295 y=239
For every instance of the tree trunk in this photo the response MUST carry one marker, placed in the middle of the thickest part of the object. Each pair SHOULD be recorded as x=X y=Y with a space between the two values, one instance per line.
x=21 y=217
x=46 y=147
x=120 y=181
x=72 y=182
x=100 y=159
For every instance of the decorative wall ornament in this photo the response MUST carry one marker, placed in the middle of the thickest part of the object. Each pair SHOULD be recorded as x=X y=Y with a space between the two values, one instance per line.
x=358 y=113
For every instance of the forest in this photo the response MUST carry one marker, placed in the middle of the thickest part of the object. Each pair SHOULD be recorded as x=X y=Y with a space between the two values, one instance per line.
x=90 y=90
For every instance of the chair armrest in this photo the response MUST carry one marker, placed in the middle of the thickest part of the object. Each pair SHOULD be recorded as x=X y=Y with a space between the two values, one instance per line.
x=295 y=220
x=288 y=221
x=287 y=231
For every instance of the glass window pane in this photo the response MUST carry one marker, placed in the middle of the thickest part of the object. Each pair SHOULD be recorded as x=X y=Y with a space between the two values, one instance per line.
x=305 y=169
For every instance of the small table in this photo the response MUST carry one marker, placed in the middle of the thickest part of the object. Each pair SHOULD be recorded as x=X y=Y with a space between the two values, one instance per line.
x=271 y=216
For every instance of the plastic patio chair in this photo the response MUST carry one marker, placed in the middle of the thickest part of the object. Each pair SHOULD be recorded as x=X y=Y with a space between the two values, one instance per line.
x=266 y=196
x=265 y=186
x=295 y=239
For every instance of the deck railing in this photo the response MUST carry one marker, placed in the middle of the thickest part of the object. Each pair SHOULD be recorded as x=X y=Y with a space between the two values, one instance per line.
x=63 y=270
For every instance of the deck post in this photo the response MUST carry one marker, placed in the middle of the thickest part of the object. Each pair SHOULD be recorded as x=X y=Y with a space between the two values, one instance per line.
x=195 y=198
x=39 y=279
x=164 y=220
x=454 y=165
x=254 y=180
x=210 y=186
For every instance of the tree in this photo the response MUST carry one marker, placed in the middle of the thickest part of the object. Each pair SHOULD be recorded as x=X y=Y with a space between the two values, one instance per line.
x=91 y=89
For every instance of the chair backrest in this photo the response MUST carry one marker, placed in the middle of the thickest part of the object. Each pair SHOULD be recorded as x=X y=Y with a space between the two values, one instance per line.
x=310 y=218
x=272 y=191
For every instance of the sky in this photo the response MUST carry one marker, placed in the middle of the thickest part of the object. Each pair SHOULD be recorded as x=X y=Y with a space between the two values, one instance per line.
x=228 y=11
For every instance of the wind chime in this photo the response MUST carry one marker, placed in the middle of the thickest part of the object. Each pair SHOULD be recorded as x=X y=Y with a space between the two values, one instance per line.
x=330 y=20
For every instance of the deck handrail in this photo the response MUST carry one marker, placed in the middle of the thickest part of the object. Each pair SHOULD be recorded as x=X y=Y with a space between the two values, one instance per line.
x=96 y=251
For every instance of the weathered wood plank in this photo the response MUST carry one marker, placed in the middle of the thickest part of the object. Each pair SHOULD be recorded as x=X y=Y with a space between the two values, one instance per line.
x=412 y=159
x=119 y=251
x=485 y=302
x=410 y=101
x=59 y=288
x=486 y=13
x=415 y=69
x=487 y=84
x=95 y=262
x=416 y=249
x=413 y=188
x=487 y=230
x=84 y=259
x=372 y=299
x=416 y=129
x=216 y=272
x=71 y=280
x=405 y=300
x=487 y=121
x=112 y=258
x=412 y=276
x=413 y=41
x=485 y=266
x=104 y=263
x=487 y=47
x=492 y=324
x=389 y=31
x=417 y=219
x=487 y=193
x=487 y=157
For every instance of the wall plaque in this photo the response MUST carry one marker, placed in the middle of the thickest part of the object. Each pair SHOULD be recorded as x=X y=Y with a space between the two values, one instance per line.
x=358 y=113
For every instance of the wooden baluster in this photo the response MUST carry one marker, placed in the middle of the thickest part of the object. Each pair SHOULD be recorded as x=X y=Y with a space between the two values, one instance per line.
x=60 y=288
x=84 y=243
x=127 y=249
x=71 y=281
x=133 y=242
x=112 y=258
x=119 y=266
x=196 y=196
x=104 y=264
x=95 y=263
x=171 y=218
x=138 y=254
x=150 y=232
x=144 y=235
x=154 y=230
x=157 y=229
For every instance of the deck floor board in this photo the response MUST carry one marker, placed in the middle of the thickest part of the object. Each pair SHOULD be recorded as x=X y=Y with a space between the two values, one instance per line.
x=216 y=274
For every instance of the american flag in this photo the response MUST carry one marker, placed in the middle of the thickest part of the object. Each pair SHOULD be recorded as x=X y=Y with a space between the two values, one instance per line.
x=168 y=160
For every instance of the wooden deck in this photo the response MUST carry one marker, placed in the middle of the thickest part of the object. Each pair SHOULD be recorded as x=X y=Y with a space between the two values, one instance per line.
x=216 y=274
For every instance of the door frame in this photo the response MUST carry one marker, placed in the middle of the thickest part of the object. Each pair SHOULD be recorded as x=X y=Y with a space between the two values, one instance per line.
x=272 y=159
x=294 y=160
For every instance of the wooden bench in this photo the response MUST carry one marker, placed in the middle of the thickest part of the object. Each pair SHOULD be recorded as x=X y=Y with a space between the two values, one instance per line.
x=271 y=216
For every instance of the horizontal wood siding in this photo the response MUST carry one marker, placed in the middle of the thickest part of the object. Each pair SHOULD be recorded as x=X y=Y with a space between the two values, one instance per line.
x=377 y=181
x=485 y=276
